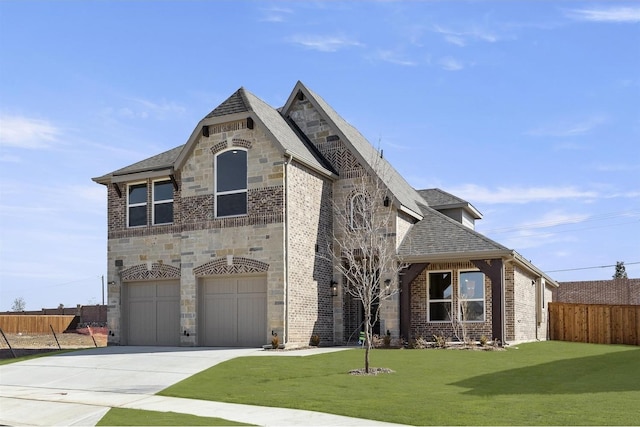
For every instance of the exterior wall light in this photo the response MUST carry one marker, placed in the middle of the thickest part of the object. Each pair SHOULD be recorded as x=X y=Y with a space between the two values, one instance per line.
x=334 y=288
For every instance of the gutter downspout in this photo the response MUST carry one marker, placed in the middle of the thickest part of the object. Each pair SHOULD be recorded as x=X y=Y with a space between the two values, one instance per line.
x=286 y=246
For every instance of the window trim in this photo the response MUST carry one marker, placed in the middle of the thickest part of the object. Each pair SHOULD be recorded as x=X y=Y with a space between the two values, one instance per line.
x=483 y=299
x=217 y=193
x=154 y=202
x=137 y=205
x=445 y=300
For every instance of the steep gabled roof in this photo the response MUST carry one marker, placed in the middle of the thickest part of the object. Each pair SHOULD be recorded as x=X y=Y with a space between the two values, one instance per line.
x=241 y=104
x=437 y=234
x=439 y=199
x=406 y=195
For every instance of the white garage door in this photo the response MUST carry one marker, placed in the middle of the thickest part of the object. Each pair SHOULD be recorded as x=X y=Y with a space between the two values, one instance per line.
x=153 y=313
x=233 y=311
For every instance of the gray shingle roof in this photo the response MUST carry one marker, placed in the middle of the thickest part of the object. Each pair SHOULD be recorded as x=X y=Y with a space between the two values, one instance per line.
x=439 y=199
x=283 y=133
x=159 y=161
x=438 y=234
x=398 y=186
x=236 y=103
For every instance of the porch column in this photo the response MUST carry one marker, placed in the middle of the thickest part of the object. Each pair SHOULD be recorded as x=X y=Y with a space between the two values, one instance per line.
x=405 y=278
x=493 y=270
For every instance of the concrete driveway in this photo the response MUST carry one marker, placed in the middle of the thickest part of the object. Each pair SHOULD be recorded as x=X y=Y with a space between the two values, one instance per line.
x=78 y=388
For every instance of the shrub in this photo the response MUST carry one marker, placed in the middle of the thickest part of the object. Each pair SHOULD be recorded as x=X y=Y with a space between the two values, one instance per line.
x=315 y=340
x=386 y=341
x=440 y=340
x=420 y=343
x=484 y=340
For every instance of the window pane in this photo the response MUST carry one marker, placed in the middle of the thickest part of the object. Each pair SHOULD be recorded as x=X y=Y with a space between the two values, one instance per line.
x=163 y=213
x=471 y=284
x=232 y=171
x=137 y=194
x=474 y=311
x=137 y=216
x=162 y=190
x=440 y=286
x=232 y=204
x=439 y=311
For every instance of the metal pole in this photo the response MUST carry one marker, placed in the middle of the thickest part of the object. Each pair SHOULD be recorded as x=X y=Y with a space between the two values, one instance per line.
x=102 y=289
x=8 y=343
x=54 y=335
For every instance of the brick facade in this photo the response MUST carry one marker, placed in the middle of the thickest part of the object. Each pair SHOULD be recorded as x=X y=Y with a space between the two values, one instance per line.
x=614 y=292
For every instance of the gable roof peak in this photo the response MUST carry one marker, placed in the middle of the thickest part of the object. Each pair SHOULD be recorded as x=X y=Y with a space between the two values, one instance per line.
x=236 y=103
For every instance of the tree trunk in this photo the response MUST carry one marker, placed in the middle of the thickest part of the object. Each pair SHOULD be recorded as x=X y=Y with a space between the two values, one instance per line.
x=368 y=337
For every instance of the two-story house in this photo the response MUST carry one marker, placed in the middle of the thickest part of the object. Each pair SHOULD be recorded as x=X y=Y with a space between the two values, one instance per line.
x=220 y=241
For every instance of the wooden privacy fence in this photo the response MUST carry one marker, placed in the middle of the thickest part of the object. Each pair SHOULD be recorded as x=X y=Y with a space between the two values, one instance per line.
x=26 y=324
x=595 y=323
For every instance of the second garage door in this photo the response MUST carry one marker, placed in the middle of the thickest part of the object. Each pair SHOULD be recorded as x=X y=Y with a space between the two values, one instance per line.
x=233 y=311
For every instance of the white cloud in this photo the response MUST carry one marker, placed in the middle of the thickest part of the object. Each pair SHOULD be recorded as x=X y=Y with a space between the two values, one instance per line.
x=393 y=58
x=450 y=64
x=27 y=132
x=610 y=14
x=520 y=195
x=323 y=43
x=568 y=128
x=461 y=38
x=275 y=14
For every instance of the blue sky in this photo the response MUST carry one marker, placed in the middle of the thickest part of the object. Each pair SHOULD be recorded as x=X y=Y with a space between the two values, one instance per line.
x=528 y=110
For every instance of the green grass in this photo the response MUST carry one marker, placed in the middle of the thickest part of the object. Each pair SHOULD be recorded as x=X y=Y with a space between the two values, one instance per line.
x=138 y=417
x=547 y=383
x=34 y=356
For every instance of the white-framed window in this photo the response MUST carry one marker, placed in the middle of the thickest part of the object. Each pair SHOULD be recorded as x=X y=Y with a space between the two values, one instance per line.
x=137 y=204
x=471 y=296
x=359 y=211
x=231 y=183
x=440 y=296
x=162 y=202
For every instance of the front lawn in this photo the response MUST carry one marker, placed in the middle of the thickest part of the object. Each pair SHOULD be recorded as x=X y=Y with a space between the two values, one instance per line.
x=546 y=383
x=138 y=417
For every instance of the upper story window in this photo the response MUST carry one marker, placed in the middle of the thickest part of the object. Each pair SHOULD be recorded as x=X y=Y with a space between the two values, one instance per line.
x=231 y=183
x=359 y=212
x=471 y=295
x=162 y=202
x=440 y=296
x=137 y=205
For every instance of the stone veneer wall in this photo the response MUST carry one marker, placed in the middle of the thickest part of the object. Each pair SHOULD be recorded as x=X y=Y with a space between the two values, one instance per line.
x=309 y=225
x=420 y=325
x=197 y=238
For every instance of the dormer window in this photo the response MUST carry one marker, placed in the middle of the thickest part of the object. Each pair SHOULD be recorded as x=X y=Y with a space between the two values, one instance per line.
x=231 y=183
x=137 y=205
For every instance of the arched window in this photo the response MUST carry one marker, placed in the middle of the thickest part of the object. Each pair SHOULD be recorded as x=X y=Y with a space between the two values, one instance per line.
x=231 y=183
x=360 y=211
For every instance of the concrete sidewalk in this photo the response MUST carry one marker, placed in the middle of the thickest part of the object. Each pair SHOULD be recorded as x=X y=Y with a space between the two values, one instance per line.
x=79 y=388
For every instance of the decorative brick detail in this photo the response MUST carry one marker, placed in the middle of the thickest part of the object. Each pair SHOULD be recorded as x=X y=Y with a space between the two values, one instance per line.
x=237 y=142
x=158 y=271
x=228 y=127
x=219 y=147
x=239 y=265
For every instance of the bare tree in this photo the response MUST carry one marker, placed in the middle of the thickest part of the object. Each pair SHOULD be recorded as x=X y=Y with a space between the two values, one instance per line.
x=18 y=304
x=363 y=250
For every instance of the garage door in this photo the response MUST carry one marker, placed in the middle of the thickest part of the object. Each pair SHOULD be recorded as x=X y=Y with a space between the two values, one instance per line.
x=153 y=313
x=233 y=311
